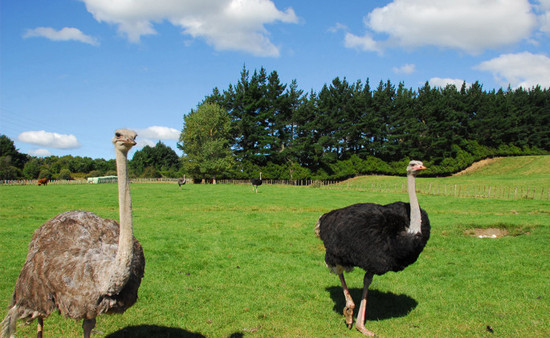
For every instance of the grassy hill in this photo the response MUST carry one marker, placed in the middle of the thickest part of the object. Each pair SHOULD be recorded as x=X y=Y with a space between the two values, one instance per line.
x=508 y=177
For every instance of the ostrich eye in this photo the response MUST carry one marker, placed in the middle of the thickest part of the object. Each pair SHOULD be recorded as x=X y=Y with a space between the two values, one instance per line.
x=117 y=134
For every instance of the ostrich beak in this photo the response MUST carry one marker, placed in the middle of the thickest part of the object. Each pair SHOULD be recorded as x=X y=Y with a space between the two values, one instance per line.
x=126 y=140
x=129 y=141
x=420 y=167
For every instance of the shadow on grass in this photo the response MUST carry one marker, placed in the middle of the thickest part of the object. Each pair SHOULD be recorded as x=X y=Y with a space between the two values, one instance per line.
x=153 y=331
x=380 y=305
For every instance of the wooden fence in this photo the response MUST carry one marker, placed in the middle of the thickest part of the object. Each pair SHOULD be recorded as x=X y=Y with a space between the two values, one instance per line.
x=56 y=182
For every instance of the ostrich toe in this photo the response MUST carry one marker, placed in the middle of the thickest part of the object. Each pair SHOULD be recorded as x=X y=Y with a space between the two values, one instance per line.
x=363 y=330
x=348 y=314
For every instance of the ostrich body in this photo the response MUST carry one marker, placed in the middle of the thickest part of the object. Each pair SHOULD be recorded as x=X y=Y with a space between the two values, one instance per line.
x=376 y=238
x=182 y=181
x=80 y=264
x=256 y=182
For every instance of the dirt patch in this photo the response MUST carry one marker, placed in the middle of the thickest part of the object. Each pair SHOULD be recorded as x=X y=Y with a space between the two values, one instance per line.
x=487 y=233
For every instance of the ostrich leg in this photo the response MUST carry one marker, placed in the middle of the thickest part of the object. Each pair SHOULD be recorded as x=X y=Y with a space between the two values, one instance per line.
x=360 y=323
x=39 y=327
x=87 y=326
x=350 y=305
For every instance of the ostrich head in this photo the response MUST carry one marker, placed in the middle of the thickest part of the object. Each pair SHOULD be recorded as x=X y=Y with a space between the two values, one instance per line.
x=414 y=167
x=124 y=139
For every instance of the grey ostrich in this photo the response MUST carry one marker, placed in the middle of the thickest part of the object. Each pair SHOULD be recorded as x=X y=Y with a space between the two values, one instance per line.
x=256 y=182
x=80 y=264
x=376 y=238
x=182 y=181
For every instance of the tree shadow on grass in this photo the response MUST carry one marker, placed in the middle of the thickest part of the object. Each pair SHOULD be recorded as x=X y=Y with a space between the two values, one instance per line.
x=380 y=305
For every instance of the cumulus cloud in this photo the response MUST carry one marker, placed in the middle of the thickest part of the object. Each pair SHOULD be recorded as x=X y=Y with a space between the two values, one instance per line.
x=50 y=140
x=40 y=152
x=443 y=82
x=151 y=135
x=405 y=69
x=468 y=25
x=159 y=133
x=519 y=70
x=542 y=7
x=64 y=34
x=237 y=25
x=365 y=42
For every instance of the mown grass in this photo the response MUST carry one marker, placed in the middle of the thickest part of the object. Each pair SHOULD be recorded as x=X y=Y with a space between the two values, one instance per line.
x=223 y=261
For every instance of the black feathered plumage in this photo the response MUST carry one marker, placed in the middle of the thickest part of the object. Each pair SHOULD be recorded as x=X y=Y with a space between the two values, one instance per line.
x=373 y=237
x=256 y=182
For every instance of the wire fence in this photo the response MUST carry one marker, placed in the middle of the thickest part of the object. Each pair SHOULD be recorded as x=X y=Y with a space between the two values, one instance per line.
x=457 y=190
x=426 y=188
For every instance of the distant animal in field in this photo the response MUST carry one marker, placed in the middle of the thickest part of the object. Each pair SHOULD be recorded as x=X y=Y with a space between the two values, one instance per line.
x=42 y=181
x=256 y=182
x=376 y=238
x=182 y=181
x=80 y=264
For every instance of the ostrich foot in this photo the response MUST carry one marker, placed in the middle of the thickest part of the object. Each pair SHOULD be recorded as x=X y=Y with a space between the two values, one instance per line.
x=363 y=330
x=348 y=313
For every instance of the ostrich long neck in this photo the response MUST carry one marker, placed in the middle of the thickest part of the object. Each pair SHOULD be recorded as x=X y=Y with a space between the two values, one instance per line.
x=120 y=270
x=416 y=220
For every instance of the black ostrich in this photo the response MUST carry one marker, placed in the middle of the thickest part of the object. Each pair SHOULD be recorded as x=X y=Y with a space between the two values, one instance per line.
x=256 y=182
x=376 y=238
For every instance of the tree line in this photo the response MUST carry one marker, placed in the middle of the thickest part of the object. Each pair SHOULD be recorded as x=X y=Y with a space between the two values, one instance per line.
x=349 y=128
x=151 y=162
x=345 y=129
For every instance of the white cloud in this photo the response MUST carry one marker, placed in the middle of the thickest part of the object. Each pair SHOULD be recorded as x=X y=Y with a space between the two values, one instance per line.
x=237 y=25
x=365 y=43
x=405 y=69
x=40 y=152
x=467 y=25
x=50 y=140
x=519 y=70
x=543 y=9
x=159 y=133
x=143 y=142
x=338 y=27
x=443 y=82
x=64 y=34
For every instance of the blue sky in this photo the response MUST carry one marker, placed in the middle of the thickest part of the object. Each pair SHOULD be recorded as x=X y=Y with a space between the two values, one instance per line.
x=73 y=71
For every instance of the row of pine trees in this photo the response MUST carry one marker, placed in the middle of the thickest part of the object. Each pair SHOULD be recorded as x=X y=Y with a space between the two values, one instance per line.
x=343 y=130
x=352 y=128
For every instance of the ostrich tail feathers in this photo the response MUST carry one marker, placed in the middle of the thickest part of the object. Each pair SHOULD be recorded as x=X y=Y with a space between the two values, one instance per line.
x=8 y=324
x=5 y=327
x=318 y=228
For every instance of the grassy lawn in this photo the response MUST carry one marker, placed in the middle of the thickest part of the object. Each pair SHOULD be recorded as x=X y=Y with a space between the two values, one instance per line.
x=223 y=261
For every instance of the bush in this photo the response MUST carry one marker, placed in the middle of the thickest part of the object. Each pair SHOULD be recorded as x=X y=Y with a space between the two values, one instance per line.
x=45 y=173
x=64 y=174
x=151 y=172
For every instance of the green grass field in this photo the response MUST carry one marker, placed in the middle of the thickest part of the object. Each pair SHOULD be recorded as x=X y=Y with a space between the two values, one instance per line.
x=223 y=261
